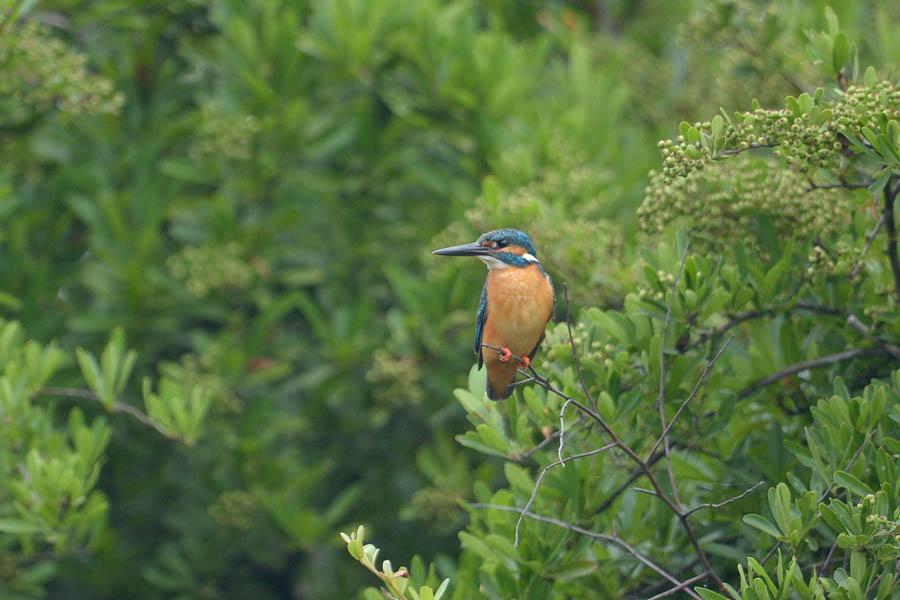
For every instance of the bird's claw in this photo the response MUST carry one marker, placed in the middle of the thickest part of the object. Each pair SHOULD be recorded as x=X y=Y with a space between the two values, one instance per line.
x=525 y=362
x=505 y=354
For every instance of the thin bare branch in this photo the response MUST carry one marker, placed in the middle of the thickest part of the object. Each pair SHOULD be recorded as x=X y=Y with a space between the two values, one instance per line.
x=804 y=365
x=697 y=387
x=825 y=495
x=688 y=528
x=562 y=431
x=117 y=407
x=758 y=314
x=869 y=239
x=681 y=586
x=724 y=502
x=736 y=151
x=631 y=479
x=540 y=480
x=830 y=186
x=891 y=227
x=597 y=536
x=662 y=378
x=584 y=387
x=11 y=13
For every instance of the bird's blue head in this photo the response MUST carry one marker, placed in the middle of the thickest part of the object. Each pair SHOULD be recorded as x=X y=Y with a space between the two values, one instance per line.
x=498 y=249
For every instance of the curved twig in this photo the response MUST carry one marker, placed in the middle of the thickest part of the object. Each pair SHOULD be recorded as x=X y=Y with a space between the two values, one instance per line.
x=597 y=536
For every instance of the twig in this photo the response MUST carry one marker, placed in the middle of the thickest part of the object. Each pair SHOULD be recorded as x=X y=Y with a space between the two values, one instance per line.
x=736 y=151
x=804 y=365
x=540 y=480
x=697 y=387
x=869 y=239
x=597 y=536
x=631 y=479
x=662 y=378
x=724 y=502
x=521 y=458
x=584 y=387
x=891 y=248
x=681 y=586
x=825 y=494
x=831 y=487
x=117 y=407
x=10 y=15
x=757 y=314
x=616 y=441
x=562 y=431
x=830 y=186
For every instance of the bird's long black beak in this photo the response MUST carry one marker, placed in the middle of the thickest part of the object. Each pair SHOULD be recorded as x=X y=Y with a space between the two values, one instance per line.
x=473 y=249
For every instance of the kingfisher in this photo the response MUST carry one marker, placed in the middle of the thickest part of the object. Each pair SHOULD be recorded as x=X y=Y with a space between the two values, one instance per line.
x=517 y=301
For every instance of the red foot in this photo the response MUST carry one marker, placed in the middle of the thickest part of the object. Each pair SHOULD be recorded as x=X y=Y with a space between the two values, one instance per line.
x=525 y=361
x=505 y=355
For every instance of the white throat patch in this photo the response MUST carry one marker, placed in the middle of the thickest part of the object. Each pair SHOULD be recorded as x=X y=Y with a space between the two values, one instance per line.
x=496 y=263
x=492 y=263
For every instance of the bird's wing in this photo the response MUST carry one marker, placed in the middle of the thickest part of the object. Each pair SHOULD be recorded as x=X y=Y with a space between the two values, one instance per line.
x=552 y=314
x=480 y=318
x=552 y=310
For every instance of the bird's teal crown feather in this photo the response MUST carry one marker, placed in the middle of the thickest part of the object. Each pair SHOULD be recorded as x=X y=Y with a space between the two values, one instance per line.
x=507 y=238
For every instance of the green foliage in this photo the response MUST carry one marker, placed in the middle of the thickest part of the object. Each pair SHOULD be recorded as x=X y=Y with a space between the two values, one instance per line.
x=246 y=192
x=50 y=473
x=766 y=358
x=402 y=584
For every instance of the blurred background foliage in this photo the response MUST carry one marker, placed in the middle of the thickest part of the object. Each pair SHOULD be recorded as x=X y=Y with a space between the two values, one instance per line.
x=250 y=190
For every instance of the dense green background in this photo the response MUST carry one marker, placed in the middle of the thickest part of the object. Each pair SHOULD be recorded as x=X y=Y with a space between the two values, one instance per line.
x=251 y=190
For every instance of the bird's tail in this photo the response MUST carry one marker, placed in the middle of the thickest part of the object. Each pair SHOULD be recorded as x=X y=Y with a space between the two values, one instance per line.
x=499 y=380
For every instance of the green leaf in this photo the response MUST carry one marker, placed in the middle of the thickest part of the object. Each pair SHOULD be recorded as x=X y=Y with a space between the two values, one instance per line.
x=492 y=437
x=572 y=570
x=869 y=78
x=832 y=20
x=840 y=51
x=830 y=518
x=717 y=125
x=846 y=480
x=763 y=524
x=19 y=527
x=472 y=440
x=710 y=595
x=92 y=374
x=879 y=184
x=761 y=572
x=858 y=565
x=517 y=477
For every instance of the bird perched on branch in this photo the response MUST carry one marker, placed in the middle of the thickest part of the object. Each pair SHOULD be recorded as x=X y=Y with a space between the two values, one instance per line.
x=517 y=301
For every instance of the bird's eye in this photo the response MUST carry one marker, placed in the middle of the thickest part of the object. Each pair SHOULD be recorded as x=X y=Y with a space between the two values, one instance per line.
x=500 y=243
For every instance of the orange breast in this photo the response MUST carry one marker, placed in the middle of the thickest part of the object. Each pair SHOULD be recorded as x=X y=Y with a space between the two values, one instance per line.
x=520 y=302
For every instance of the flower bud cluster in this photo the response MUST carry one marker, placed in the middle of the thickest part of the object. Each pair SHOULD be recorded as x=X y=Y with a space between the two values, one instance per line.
x=861 y=106
x=804 y=141
x=193 y=370
x=223 y=135
x=654 y=294
x=395 y=378
x=208 y=268
x=40 y=74
x=438 y=505
x=836 y=261
x=723 y=204
x=233 y=508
